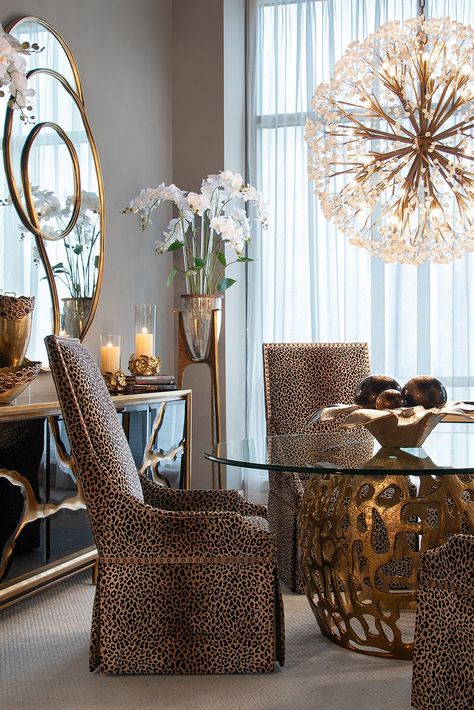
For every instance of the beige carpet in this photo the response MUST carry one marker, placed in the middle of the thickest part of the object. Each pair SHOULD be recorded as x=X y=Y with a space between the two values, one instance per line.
x=43 y=664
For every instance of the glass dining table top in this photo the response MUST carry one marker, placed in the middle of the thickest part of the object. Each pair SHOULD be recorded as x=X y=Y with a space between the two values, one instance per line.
x=448 y=449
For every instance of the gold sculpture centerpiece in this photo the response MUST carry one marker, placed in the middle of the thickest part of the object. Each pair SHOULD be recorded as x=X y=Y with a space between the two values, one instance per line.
x=391 y=145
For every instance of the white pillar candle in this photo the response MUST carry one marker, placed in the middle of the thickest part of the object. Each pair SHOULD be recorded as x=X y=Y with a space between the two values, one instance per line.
x=144 y=343
x=110 y=358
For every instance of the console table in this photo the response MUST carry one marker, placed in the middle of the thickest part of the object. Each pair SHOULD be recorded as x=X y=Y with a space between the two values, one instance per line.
x=44 y=530
x=367 y=513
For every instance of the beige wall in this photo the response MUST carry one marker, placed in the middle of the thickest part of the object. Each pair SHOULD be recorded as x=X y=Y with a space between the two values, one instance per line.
x=165 y=101
x=208 y=136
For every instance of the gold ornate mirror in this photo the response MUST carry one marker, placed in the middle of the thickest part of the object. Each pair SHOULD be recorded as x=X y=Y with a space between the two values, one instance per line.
x=52 y=218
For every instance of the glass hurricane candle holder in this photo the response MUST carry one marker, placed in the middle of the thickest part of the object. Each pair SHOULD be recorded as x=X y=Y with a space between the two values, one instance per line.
x=110 y=363
x=145 y=318
x=110 y=353
x=144 y=362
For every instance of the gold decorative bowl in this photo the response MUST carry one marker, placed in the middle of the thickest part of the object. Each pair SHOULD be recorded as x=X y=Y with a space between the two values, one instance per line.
x=13 y=380
x=406 y=427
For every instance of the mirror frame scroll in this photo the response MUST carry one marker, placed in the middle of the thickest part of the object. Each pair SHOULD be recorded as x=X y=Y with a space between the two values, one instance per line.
x=30 y=220
x=25 y=180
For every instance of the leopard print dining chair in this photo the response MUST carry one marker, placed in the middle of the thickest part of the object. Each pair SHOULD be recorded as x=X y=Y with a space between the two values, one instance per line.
x=187 y=580
x=443 y=656
x=299 y=378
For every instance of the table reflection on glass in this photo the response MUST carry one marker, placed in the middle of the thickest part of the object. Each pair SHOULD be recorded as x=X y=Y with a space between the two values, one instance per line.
x=367 y=514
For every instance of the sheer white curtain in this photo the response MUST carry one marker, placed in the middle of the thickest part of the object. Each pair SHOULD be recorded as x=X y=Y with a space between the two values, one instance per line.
x=308 y=283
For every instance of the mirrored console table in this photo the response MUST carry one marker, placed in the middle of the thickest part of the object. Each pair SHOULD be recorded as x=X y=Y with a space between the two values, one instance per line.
x=44 y=529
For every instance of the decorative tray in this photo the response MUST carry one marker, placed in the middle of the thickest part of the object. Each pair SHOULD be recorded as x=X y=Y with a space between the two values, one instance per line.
x=406 y=427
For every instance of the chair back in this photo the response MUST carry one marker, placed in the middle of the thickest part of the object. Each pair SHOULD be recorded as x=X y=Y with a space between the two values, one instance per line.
x=98 y=443
x=302 y=377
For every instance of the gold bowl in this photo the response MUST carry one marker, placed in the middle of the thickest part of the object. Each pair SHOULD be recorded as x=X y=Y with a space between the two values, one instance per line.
x=406 y=427
x=13 y=380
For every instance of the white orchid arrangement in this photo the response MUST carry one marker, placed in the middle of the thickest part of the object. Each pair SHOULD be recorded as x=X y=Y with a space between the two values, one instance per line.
x=13 y=72
x=80 y=269
x=207 y=222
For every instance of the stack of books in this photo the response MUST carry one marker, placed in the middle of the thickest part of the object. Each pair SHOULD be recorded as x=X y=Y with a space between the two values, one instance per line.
x=150 y=383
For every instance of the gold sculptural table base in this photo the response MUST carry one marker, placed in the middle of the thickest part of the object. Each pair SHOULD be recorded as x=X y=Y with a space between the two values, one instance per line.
x=360 y=541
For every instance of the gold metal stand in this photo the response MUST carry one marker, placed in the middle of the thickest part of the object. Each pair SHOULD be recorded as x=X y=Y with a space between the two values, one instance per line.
x=212 y=361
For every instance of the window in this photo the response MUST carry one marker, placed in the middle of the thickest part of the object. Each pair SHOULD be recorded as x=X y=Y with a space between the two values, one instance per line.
x=309 y=283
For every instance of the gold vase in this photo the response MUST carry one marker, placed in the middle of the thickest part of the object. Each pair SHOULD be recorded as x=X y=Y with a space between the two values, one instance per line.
x=15 y=328
x=197 y=319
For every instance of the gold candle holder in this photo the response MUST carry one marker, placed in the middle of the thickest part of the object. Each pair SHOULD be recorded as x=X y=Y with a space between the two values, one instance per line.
x=144 y=362
x=115 y=381
x=144 y=365
x=114 y=377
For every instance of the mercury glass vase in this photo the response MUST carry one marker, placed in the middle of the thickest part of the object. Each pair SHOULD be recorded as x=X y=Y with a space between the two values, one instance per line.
x=197 y=314
x=76 y=312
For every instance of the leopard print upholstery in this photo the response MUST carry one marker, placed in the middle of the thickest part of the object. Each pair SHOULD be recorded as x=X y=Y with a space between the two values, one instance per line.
x=186 y=582
x=300 y=378
x=443 y=658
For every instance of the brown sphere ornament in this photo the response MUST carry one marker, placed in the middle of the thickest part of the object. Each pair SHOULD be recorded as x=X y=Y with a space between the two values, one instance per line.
x=424 y=391
x=390 y=399
x=370 y=388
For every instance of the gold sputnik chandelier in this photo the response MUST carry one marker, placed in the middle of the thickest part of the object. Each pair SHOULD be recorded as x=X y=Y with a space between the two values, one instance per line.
x=391 y=147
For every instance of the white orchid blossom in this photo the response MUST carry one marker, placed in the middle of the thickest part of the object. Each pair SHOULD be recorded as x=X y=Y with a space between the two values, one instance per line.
x=174 y=234
x=13 y=72
x=207 y=222
x=80 y=267
x=198 y=202
x=230 y=233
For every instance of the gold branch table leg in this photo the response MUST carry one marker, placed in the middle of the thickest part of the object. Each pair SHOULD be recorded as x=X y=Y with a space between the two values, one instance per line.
x=33 y=510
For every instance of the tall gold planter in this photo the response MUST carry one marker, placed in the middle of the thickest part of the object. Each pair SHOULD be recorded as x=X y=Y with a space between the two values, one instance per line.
x=200 y=319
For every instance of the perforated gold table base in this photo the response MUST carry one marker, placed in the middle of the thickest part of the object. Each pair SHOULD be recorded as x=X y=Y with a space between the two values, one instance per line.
x=360 y=542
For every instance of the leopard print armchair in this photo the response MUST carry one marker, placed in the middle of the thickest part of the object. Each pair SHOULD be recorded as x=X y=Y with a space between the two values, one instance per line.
x=300 y=378
x=187 y=580
x=443 y=657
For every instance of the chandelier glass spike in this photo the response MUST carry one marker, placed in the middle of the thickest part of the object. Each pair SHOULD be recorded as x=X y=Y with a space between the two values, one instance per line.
x=391 y=145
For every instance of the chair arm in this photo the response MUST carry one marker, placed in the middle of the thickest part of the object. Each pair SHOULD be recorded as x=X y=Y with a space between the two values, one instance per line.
x=198 y=500
x=450 y=566
x=131 y=530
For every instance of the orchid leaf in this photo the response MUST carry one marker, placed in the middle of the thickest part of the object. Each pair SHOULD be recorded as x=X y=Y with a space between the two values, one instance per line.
x=175 y=245
x=171 y=276
x=224 y=284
